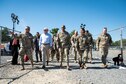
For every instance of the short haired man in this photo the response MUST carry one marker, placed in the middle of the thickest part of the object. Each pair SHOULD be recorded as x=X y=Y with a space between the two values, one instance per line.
x=45 y=43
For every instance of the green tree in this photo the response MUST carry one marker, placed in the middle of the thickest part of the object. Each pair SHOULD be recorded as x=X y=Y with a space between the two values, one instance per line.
x=54 y=31
x=124 y=42
x=71 y=33
x=5 y=35
x=117 y=43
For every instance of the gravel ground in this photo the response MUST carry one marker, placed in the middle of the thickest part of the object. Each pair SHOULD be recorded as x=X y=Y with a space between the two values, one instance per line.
x=5 y=59
x=95 y=74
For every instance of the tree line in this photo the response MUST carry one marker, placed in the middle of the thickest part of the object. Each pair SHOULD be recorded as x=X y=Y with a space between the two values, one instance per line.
x=5 y=35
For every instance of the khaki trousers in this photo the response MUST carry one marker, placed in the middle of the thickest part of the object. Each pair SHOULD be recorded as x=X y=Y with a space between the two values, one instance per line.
x=45 y=53
x=90 y=53
x=83 y=56
x=104 y=53
x=64 y=51
x=75 y=53
x=28 y=52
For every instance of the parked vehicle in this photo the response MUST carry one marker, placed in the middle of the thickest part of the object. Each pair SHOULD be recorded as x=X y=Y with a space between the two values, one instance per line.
x=5 y=50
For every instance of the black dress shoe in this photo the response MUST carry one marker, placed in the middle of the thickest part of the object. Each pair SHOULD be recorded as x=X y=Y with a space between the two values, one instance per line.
x=69 y=69
x=36 y=61
x=43 y=67
x=47 y=63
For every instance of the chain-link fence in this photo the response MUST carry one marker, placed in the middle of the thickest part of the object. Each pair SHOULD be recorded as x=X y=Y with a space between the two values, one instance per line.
x=119 y=42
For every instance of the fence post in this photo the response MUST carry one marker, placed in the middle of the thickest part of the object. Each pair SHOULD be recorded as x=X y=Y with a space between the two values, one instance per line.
x=0 y=42
x=121 y=45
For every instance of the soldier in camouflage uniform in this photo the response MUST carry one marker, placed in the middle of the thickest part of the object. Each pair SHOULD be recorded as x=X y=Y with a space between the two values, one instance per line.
x=27 y=46
x=55 y=49
x=83 y=48
x=74 y=45
x=90 y=44
x=52 y=51
x=64 y=45
x=103 y=43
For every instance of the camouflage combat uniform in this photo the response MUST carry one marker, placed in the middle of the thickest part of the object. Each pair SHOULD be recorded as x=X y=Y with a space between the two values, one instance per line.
x=55 y=48
x=90 y=45
x=83 y=49
x=103 y=43
x=74 y=46
x=64 y=46
x=26 y=47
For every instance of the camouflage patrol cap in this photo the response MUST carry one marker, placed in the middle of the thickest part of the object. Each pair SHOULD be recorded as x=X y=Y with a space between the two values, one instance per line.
x=83 y=29
x=63 y=27
x=27 y=27
x=87 y=31
x=105 y=28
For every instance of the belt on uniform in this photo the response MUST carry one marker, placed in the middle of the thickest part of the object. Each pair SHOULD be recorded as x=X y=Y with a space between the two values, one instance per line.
x=45 y=43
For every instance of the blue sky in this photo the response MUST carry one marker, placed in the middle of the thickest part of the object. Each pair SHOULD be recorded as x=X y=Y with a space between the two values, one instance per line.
x=38 y=14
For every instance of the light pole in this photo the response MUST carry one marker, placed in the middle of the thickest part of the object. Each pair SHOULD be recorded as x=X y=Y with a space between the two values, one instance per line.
x=0 y=42
x=82 y=25
x=121 y=46
x=14 y=20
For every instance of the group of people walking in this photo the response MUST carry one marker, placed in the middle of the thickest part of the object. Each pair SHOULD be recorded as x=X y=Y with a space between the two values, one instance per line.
x=60 y=44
